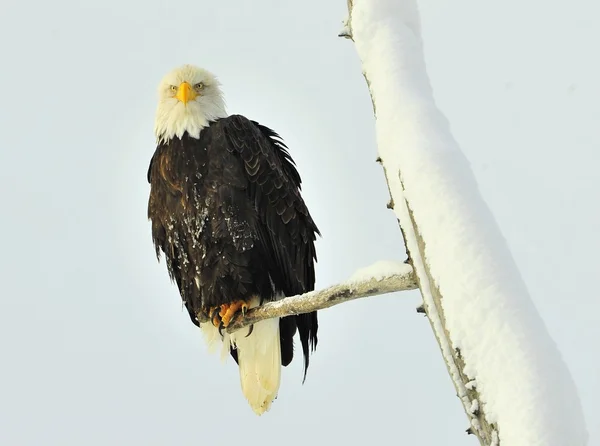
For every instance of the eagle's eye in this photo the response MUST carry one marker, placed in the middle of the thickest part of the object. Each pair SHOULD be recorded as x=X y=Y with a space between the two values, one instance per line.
x=173 y=88
x=199 y=86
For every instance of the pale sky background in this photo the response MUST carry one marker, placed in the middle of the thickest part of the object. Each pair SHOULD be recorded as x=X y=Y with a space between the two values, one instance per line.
x=95 y=347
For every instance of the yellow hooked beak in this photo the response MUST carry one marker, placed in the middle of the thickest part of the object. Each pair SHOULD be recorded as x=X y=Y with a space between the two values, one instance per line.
x=186 y=93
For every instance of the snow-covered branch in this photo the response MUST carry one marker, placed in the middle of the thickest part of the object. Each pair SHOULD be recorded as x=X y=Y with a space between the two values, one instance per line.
x=509 y=375
x=380 y=278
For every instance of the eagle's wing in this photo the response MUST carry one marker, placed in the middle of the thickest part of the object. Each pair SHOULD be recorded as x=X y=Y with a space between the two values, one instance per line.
x=286 y=229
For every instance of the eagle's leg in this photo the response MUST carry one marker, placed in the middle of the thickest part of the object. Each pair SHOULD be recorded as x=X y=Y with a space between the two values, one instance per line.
x=228 y=311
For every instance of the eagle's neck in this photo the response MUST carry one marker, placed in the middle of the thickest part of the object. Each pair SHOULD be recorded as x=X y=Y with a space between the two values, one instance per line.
x=176 y=119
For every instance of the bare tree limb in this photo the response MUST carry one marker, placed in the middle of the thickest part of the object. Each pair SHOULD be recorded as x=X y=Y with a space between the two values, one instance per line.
x=318 y=300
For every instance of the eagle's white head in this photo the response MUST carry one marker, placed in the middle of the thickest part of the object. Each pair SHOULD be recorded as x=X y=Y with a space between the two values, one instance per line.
x=189 y=98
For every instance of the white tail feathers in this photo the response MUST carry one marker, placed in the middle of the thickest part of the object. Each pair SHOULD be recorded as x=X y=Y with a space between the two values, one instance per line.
x=259 y=359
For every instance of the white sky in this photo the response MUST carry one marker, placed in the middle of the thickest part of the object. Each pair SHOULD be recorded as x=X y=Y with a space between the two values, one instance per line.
x=95 y=346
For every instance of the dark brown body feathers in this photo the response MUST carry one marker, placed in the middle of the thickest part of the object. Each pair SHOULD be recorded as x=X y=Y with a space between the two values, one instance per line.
x=226 y=211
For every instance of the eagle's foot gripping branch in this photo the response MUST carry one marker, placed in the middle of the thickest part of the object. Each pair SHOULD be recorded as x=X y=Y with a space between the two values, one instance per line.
x=222 y=315
x=228 y=311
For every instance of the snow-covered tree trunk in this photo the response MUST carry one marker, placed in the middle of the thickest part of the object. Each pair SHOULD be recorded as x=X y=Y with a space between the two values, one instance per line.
x=508 y=373
x=466 y=391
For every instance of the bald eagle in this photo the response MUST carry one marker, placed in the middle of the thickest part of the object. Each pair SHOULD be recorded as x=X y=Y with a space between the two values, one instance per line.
x=227 y=213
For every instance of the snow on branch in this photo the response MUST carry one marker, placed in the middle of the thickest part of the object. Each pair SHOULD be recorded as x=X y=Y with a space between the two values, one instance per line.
x=380 y=278
x=513 y=383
